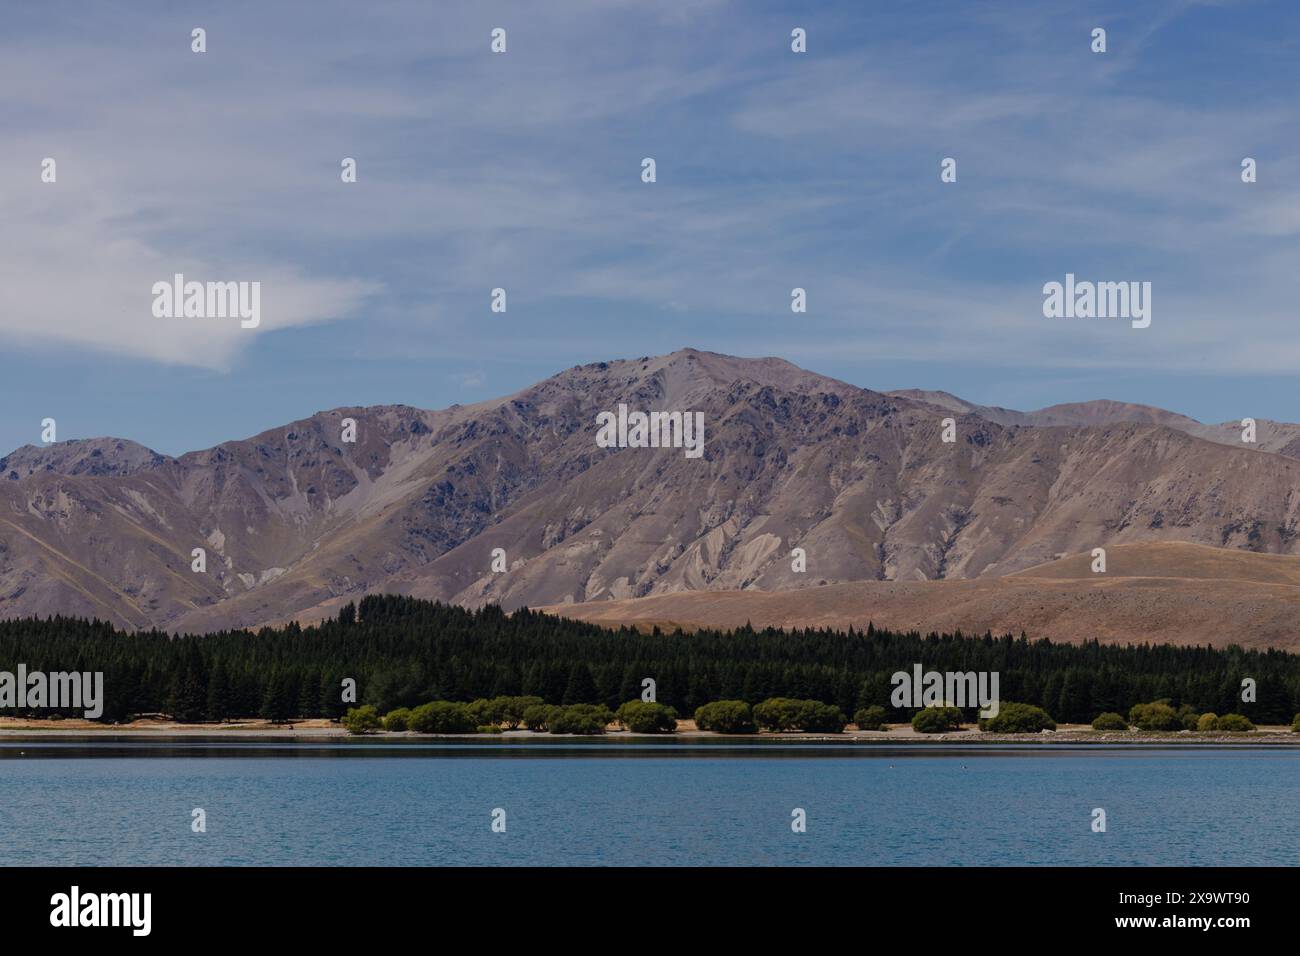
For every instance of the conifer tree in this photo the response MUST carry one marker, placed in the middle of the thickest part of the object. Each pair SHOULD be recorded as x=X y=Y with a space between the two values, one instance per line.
x=581 y=688
x=219 y=698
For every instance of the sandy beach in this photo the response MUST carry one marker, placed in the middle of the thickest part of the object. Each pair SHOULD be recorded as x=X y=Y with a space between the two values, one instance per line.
x=20 y=728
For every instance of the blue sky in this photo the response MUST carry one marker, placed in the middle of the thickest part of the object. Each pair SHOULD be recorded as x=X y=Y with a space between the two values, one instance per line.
x=522 y=171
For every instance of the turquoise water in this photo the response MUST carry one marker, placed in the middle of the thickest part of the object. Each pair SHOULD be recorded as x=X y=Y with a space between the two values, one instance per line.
x=692 y=804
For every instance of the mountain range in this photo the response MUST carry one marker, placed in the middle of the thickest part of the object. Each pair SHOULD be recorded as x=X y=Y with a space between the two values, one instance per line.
x=295 y=522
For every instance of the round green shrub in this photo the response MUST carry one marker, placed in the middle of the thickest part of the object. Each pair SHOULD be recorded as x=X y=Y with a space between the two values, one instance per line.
x=1155 y=716
x=870 y=718
x=1295 y=725
x=779 y=714
x=1110 y=721
x=484 y=711
x=511 y=709
x=936 y=720
x=362 y=720
x=818 y=718
x=1206 y=722
x=537 y=717
x=726 y=717
x=1013 y=718
x=647 y=717
x=441 y=717
x=1234 y=724
x=398 y=719
x=579 y=719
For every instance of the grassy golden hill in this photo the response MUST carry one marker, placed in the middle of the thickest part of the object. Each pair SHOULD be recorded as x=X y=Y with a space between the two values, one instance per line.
x=1161 y=592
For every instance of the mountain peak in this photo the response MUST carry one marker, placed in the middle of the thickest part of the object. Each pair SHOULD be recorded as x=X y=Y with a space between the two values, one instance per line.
x=1104 y=411
x=679 y=378
x=81 y=456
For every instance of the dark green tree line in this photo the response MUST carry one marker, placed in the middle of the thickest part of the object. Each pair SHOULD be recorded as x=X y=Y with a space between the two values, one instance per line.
x=404 y=652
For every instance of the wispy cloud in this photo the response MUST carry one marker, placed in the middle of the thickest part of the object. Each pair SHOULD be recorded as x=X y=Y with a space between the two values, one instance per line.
x=775 y=170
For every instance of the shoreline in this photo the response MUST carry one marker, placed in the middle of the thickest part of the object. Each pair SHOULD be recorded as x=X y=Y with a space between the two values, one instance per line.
x=24 y=729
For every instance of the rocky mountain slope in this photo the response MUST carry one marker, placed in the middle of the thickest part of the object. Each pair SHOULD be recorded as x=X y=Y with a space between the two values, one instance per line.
x=295 y=521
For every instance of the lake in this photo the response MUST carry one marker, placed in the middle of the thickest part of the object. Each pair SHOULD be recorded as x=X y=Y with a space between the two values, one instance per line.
x=371 y=802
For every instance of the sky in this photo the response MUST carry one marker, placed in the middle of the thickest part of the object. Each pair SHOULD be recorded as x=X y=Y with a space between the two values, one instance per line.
x=522 y=170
